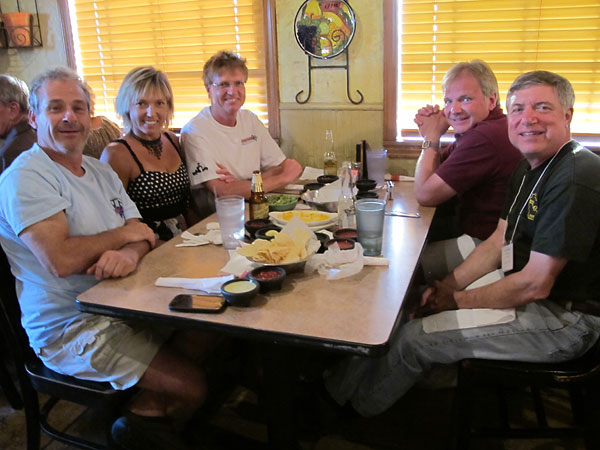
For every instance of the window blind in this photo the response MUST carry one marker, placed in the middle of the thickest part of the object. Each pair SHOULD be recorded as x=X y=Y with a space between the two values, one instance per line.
x=512 y=36
x=178 y=37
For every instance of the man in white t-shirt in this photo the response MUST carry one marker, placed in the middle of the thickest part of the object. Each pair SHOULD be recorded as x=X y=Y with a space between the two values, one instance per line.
x=65 y=223
x=224 y=144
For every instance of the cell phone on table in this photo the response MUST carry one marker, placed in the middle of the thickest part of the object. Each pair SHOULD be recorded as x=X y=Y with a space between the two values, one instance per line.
x=197 y=303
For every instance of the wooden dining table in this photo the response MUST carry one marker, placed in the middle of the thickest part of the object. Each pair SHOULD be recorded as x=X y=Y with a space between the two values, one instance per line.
x=355 y=315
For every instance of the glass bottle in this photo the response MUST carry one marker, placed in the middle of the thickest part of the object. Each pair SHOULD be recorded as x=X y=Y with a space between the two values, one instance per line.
x=346 y=212
x=259 y=206
x=329 y=160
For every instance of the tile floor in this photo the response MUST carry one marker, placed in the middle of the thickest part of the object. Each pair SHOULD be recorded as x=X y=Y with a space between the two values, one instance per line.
x=420 y=421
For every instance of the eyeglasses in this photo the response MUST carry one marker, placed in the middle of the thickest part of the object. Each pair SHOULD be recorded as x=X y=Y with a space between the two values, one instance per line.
x=227 y=84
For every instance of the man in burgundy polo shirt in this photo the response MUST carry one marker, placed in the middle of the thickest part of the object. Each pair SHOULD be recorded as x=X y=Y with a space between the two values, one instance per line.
x=474 y=169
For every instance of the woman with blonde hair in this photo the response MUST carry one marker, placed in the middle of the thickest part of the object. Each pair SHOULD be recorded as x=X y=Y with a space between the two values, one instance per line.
x=148 y=159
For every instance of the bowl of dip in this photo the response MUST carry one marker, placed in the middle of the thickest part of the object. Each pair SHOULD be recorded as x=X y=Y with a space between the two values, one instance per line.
x=269 y=278
x=239 y=291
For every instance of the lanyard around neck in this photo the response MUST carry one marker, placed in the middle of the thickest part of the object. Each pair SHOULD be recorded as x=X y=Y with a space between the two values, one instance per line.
x=527 y=199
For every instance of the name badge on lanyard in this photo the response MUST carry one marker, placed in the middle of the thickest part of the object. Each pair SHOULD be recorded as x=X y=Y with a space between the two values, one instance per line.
x=507 y=257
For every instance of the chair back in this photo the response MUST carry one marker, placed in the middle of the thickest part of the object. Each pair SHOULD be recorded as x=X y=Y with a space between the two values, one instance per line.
x=10 y=315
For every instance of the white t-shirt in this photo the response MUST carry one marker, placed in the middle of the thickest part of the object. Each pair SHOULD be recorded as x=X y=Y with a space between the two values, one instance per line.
x=34 y=188
x=242 y=149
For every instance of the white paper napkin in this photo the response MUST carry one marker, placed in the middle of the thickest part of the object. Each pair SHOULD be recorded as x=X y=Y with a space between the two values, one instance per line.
x=293 y=187
x=311 y=173
x=209 y=285
x=470 y=318
x=212 y=236
x=238 y=264
x=336 y=264
x=467 y=318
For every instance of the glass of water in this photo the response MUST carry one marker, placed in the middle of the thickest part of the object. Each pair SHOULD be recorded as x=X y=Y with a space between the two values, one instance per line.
x=230 y=213
x=369 y=224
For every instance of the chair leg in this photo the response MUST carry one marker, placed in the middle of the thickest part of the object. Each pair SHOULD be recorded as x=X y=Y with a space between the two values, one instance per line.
x=538 y=404
x=502 y=408
x=577 y=404
x=32 y=416
x=8 y=386
x=592 y=417
x=462 y=414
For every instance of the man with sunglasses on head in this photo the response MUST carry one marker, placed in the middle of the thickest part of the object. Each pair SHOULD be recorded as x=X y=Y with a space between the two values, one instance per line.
x=224 y=143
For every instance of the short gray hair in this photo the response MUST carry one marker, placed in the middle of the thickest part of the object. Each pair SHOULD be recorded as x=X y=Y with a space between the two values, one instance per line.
x=138 y=82
x=15 y=90
x=58 y=73
x=481 y=71
x=564 y=89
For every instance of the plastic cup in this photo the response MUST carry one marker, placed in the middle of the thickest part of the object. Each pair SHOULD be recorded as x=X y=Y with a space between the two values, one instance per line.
x=230 y=213
x=369 y=224
x=376 y=165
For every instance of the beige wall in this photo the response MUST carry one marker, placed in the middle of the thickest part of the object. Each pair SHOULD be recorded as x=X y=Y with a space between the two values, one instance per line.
x=303 y=126
x=26 y=63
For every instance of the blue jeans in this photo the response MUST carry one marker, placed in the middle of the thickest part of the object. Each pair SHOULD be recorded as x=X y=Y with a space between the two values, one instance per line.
x=542 y=332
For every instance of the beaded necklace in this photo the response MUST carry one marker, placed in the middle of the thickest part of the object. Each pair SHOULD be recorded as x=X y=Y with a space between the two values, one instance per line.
x=154 y=146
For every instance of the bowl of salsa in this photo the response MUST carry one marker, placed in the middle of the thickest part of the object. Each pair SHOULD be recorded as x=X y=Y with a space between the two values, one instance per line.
x=346 y=233
x=343 y=244
x=269 y=278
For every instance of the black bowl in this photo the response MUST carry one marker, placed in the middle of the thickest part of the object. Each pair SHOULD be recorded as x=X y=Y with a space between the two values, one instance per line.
x=252 y=226
x=262 y=232
x=269 y=278
x=343 y=244
x=346 y=233
x=312 y=186
x=326 y=179
x=239 y=298
x=323 y=238
x=366 y=194
x=365 y=185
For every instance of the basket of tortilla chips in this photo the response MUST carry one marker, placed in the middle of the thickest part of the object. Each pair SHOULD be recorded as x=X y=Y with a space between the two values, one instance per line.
x=290 y=248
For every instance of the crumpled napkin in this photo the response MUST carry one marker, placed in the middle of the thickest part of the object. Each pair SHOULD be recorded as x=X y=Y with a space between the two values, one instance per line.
x=212 y=236
x=311 y=173
x=336 y=264
x=238 y=264
x=211 y=286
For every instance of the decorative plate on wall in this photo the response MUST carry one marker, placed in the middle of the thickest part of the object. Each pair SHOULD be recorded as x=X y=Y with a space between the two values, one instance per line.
x=324 y=28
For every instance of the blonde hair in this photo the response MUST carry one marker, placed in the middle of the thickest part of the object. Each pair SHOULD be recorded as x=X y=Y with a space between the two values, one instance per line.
x=224 y=60
x=138 y=82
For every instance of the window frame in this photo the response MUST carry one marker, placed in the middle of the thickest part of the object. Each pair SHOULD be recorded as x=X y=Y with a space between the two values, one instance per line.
x=271 y=62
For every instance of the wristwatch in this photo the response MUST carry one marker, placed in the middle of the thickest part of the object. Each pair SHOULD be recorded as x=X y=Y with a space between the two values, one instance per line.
x=430 y=144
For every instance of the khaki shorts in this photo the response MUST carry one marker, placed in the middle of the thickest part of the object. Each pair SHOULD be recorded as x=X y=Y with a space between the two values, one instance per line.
x=104 y=349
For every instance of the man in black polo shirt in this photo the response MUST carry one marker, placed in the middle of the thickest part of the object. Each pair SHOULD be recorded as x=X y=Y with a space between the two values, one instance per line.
x=548 y=245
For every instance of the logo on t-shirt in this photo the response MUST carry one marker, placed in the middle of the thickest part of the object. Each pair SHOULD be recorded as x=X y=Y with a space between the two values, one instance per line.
x=249 y=139
x=199 y=168
x=532 y=207
x=118 y=206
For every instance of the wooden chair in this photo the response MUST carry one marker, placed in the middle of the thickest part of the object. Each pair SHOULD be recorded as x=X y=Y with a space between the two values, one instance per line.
x=34 y=377
x=581 y=377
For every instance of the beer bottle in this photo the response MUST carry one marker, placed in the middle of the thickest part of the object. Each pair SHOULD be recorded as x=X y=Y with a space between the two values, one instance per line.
x=259 y=206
